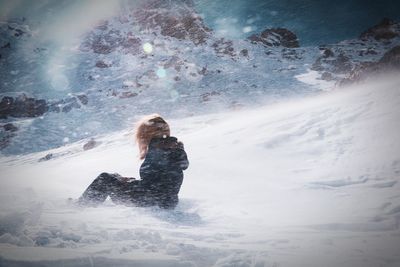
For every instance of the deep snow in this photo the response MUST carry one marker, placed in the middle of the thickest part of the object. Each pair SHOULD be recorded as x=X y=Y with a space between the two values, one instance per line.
x=306 y=182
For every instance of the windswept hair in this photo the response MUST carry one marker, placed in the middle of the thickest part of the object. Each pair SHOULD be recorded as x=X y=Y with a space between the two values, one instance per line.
x=149 y=127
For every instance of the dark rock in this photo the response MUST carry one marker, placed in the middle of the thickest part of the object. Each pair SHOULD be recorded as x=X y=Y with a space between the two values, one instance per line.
x=327 y=53
x=90 y=144
x=83 y=99
x=223 y=47
x=22 y=106
x=391 y=59
x=7 y=45
x=291 y=54
x=207 y=96
x=327 y=62
x=244 y=53
x=385 y=30
x=18 y=32
x=203 y=71
x=47 y=157
x=9 y=127
x=100 y=47
x=127 y=94
x=72 y=103
x=176 y=19
x=132 y=45
x=276 y=37
x=101 y=64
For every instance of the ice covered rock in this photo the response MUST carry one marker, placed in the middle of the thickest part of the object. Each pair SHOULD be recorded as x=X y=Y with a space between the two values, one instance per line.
x=69 y=103
x=90 y=144
x=391 y=59
x=331 y=62
x=292 y=54
x=101 y=64
x=46 y=158
x=83 y=98
x=224 y=47
x=177 y=19
x=127 y=94
x=354 y=60
x=387 y=29
x=276 y=37
x=105 y=39
x=389 y=62
x=22 y=106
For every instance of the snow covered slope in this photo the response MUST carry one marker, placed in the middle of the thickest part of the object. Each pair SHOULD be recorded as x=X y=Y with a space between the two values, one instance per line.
x=310 y=182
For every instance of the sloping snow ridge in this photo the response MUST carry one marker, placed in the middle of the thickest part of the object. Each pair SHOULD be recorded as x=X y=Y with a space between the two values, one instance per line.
x=306 y=182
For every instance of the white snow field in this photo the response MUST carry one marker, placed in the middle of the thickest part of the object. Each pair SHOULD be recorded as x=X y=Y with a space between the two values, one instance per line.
x=306 y=182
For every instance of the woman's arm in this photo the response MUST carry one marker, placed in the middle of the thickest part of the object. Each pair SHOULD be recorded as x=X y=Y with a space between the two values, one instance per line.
x=180 y=157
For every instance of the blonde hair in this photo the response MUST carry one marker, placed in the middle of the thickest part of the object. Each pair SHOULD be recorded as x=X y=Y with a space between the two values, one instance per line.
x=147 y=128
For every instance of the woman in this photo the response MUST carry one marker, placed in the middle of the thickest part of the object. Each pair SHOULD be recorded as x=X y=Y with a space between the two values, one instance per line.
x=161 y=172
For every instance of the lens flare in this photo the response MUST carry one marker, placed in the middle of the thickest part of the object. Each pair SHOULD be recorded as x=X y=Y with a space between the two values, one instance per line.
x=161 y=73
x=147 y=48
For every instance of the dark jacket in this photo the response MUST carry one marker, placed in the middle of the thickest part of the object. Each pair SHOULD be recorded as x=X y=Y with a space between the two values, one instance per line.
x=161 y=172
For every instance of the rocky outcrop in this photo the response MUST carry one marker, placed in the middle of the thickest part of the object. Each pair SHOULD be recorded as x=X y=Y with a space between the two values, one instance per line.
x=177 y=19
x=47 y=157
x=388 y=63
x=90 y=144
x=224 y=47
x=292 y=54
x=391 y=59
x=29 y=107
x=276 y=37
x=110 y=40
x=105 y=39
x=22 y=106
x=387 y=29
x=329 y=61
x=102 y=65
x=354 y=60
x=67 y=104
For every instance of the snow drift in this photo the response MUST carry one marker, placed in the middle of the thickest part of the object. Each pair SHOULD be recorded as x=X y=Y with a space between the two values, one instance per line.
x=307 y=182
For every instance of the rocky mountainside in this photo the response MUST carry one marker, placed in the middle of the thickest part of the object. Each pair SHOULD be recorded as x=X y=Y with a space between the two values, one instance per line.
x=375 y=51
x=161 y=57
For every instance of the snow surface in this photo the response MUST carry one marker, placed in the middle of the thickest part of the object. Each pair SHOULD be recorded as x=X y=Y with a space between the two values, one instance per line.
x=306 y=182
